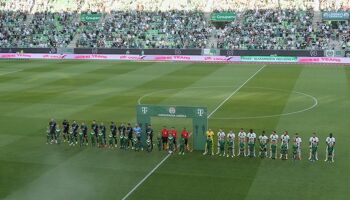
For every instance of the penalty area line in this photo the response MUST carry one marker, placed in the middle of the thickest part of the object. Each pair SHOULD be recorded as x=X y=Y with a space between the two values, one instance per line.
x=234 y=92
x=167 y=156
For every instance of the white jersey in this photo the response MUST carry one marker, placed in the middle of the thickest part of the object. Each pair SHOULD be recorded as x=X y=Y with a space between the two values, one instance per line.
x=221 y=135
x=242 y=136
x=285 y=138
x=313 y=140
x=298 y=141
x=273 y=138
x=231 y=136
x=330 y=141
x=263 y=139
x=251 y=137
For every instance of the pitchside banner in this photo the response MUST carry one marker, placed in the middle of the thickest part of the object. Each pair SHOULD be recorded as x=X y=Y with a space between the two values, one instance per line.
x=223 y=17
x=166 y=58
x=268 y=59
x=198 y=114
x=336 y=16
x=90 y=17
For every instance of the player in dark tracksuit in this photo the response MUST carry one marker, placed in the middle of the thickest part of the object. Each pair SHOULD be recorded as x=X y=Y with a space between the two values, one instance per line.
x=84 y=130
x=75 y=128
x=94 y=128
x=52 y=130
x=65 y=125
x=122 y=132
x=113 y=129
x=130 y=136
x=103 y=131
x=149 y=134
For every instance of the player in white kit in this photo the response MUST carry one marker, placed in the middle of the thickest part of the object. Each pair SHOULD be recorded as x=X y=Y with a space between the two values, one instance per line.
x=330 y=142
x=285 y=140
x=251 y=137
x=221 y=137
x=242 y=142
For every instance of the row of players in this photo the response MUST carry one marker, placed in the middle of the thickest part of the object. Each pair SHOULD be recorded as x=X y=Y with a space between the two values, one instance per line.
x=249 y=139
x=129 y=137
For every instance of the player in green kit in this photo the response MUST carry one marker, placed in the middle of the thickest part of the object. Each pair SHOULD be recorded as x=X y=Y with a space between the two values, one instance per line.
x=330 y=153
x=121 y=141
x=313 y=147
x=100 y=139
x=263 y=139
x=295 y=151
x=330 y=142
x=110 y=140
x=93 y=138
x=72 y=138
x=251 y=137
x=242 y=138
x=81 y=139
x=313 y=152
x=222 y=147
x=284 y=151
x=171 y=143
x=159 y=142
x=136 y=143
x=273 y=145
x=182 y=146
x=230 y=144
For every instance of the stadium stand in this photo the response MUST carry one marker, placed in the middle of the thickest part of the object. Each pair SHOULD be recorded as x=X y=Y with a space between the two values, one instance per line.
x=276 y=24
x=171 y=29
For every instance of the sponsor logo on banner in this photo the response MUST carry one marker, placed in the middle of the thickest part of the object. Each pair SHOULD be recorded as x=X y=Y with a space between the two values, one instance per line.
x=313 y=53
x=200 y=112
x=144 y=109
x=172 y=110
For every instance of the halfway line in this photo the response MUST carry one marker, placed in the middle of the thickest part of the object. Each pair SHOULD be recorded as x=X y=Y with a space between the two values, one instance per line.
x=149 y=174
x=234 y=92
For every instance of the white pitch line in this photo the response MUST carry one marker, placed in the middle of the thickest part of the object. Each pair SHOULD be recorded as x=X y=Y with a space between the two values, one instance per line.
x=148 y=175
x=11 y=72
x=234 y=92
x=167 y=156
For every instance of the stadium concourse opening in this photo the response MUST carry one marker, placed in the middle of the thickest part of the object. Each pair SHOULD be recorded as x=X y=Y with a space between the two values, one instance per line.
x=199 y=116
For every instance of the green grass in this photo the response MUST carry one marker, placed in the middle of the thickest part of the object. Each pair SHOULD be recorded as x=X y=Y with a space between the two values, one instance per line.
x=105 y=91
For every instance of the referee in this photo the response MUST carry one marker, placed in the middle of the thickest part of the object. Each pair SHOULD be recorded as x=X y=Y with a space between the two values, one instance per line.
x=185 y=135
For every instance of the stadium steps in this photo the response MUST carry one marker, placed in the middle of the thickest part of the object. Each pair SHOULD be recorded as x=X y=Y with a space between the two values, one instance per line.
x=29 y=19
x=76 y=37
x=316 y=19
x=212 y=43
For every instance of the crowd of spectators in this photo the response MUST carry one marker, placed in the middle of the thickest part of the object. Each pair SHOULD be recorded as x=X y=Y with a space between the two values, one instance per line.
x=273 y=29
x=16 y=5
x=173 y=29
x=260 y=24
x=13 y=29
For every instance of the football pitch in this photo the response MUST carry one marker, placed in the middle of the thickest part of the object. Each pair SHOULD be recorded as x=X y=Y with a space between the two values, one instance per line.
x=297 y=98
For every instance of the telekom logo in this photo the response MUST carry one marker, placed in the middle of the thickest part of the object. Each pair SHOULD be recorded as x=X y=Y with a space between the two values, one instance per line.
x=144 y=110
x=200 y=112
